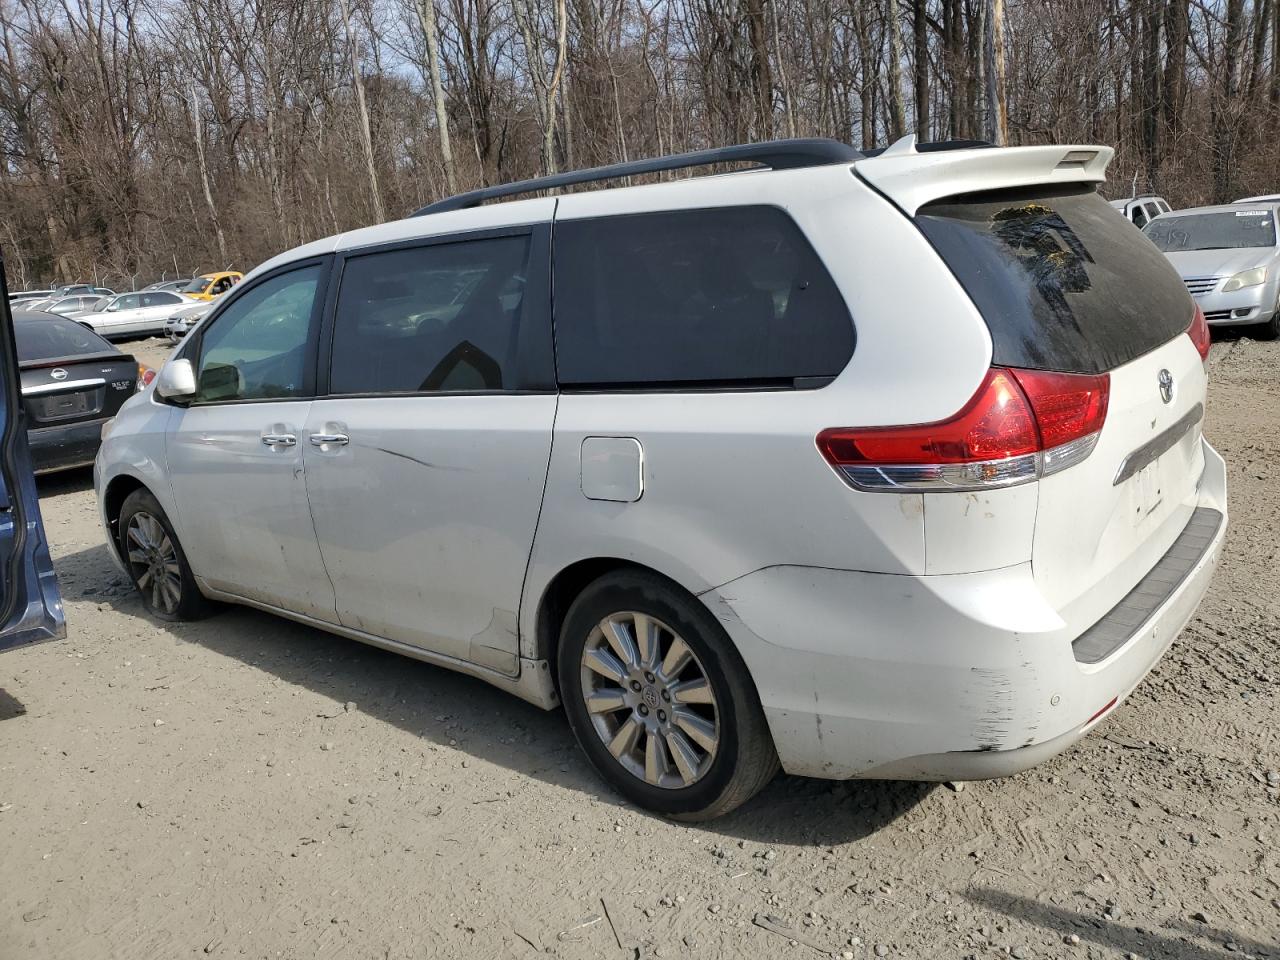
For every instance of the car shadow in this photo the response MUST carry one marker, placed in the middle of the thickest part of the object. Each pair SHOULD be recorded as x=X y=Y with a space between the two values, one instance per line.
x=413 y=696
x=1184 y=940
x=75 y=480
x=10 y=706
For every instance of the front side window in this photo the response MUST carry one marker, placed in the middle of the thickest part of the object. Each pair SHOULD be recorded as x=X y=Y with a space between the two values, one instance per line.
x=196 y=285
x=256 y=349
x=1214 y=231
x=732 y=296
x=128 y=302
x=443 y=318
x=1139 y=216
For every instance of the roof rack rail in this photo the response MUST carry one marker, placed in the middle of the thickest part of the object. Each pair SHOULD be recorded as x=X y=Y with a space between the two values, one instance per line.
x=934 y=146
x=774 y=154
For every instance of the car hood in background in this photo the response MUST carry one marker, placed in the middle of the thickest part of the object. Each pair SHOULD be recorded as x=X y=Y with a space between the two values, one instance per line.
x=1219 y=263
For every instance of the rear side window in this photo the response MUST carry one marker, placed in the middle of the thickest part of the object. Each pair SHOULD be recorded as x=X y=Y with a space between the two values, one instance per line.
x=731 y=296
x=443 y=318
x=1062 y=282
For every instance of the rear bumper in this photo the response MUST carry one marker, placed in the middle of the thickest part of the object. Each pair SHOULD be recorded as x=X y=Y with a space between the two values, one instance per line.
x=954 y=677
x=65 y=446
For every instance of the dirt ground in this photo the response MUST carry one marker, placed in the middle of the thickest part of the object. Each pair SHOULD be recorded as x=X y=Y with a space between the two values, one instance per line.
x=249 y=787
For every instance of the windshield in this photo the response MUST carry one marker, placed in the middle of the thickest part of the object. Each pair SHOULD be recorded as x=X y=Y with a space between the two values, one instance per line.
x=1214 y=231
x=196 y=285
x=51 y=339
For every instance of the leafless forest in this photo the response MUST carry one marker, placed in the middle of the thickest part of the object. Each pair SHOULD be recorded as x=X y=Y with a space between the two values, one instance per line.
x=168 y=136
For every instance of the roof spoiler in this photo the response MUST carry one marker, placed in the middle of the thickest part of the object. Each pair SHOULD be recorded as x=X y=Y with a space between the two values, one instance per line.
x=912 y=175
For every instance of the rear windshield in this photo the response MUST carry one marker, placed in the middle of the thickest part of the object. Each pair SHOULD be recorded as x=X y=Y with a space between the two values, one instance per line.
x=1235 y=229
x=1062 y=281
x=50 y=339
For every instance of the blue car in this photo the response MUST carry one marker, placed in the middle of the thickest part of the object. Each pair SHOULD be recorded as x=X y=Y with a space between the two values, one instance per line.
x=30 y=604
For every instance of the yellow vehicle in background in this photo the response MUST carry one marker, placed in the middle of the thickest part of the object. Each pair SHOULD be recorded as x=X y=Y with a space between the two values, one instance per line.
x=211 y=285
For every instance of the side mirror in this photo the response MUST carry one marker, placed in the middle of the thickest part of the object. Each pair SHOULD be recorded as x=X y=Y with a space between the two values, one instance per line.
x=177 y=381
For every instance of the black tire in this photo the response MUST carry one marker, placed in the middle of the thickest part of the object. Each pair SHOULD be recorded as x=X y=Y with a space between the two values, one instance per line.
x=743 y=760
x=138 y=509
x=1269 y=330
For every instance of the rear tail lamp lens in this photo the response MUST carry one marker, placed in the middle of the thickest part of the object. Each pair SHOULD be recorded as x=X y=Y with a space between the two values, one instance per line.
x=1199 y=333
x=1019 y=425
x=145 y=376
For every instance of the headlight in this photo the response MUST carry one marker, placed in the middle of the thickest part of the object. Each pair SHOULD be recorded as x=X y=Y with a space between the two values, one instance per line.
x=1246 y=278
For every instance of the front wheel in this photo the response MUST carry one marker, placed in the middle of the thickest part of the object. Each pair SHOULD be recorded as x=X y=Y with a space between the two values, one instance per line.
x=660 y=700
x=156 y=563
x=1269 y=330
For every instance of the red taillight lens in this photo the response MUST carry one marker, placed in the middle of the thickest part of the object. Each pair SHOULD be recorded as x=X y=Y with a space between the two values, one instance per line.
x=145 y=376
x=995 y=424
x=1067 y=406
x=1199 y=333
x=1021 y=424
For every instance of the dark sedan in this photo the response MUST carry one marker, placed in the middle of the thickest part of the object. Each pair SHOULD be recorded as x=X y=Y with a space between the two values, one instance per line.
x=73 y=381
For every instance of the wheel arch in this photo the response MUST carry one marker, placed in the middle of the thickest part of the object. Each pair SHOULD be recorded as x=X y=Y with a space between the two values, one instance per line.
x=565 y=587
x=114 y=495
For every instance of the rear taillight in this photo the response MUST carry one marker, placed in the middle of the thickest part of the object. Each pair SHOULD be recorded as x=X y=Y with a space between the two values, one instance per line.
x=145 y=376
x=1020 y=425
x=1199 y=333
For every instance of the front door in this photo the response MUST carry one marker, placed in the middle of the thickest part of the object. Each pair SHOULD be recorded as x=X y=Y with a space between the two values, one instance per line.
x=426 y=462
x=235 y=453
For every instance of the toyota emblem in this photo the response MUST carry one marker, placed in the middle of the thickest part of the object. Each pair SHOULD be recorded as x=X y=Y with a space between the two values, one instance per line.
x=1165 y=379
x=58 y=373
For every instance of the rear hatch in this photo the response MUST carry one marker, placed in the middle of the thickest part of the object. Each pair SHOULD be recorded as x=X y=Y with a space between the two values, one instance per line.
x=1066 y=285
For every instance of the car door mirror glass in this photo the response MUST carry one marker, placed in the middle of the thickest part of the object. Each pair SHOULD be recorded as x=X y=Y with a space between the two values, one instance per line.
x=177 y=380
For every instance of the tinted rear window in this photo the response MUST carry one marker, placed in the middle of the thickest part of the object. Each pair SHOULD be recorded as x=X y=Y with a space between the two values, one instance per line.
x=1063 y=283
x=730 y=296
x=50 y=339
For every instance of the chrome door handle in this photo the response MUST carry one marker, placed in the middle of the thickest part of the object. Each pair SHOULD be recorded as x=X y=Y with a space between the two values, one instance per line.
x=279 y=440
x=320 y=439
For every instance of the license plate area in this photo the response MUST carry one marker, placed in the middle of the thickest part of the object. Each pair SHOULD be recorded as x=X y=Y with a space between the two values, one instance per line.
x=63 y=406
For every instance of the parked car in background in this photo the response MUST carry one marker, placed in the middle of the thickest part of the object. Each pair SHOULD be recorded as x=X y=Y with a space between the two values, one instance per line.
x=1229 y=258
x=211 y=285
x=81 y=289
x=172 y=286
x=734 y=532
x=34 y=305
x=30 y=604
x=1141 y=210
x=23 y=295
x=131 y=314
x=65 y=306
x=72 y=382
x=184 y=320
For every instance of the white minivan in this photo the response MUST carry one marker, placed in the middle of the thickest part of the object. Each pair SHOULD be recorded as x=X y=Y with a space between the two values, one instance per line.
x=883 y=467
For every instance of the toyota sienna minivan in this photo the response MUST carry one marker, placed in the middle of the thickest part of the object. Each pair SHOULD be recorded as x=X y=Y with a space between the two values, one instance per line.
x=877 y=466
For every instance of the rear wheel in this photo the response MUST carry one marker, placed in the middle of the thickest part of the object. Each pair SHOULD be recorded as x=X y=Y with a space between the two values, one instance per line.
x=660 y=700
x=156 y=563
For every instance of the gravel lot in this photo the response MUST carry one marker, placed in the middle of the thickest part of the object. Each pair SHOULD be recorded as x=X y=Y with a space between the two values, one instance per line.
x=249 y=787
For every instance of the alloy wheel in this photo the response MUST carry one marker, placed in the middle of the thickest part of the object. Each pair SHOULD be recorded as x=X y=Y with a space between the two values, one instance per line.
x=650 y=700
x=153 y=561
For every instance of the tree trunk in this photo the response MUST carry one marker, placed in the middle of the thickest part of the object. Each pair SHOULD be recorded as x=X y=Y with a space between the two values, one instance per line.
x=362 y=109
x=430 y=32
x=198 y=135
x=920 y=28
x=994 y=71
x=897 y=110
